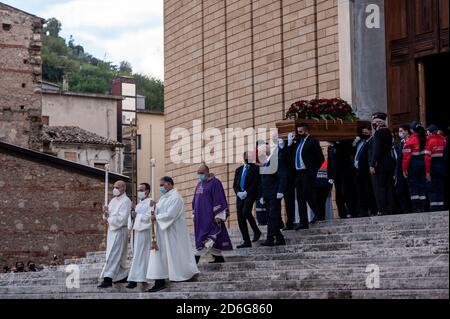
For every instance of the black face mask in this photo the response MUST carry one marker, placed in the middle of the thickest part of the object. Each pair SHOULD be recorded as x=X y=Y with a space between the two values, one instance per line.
x=365 y=137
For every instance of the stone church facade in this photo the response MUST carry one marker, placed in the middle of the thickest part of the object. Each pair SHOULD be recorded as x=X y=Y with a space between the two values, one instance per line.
x=242 y=63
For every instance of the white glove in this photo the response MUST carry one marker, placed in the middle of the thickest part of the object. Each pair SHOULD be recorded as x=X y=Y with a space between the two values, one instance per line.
x=331 y=181
x=242 y=195
x=291 y=137
x=280 y=196
x=261 y=201
x=356 y=141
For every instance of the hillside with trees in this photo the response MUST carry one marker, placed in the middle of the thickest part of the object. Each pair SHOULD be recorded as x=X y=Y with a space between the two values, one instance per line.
x=89 y=74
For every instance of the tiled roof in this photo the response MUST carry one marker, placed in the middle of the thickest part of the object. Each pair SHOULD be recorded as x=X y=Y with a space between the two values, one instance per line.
x=74 y=135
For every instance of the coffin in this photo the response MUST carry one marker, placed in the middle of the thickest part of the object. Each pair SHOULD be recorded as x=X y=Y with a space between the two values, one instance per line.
x=323 y=130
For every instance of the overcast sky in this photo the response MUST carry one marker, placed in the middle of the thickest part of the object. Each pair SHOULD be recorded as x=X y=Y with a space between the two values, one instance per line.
x=113 y=30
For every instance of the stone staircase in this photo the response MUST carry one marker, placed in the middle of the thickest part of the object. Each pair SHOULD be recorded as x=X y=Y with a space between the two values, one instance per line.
x=327 y=261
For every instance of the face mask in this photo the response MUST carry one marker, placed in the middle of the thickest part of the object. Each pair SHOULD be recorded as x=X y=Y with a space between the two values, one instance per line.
x=402 y=135
x=141 y=195
x=116 y=192
x=201 y=177
x=162 y=190
x=281 y=143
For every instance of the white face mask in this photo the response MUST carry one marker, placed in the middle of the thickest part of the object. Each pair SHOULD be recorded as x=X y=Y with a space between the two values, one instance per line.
x=141 y=195
x=402 y=135
x=116 y=192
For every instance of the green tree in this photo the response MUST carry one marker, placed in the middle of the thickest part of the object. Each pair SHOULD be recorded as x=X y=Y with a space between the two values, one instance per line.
x=53 y=27
x=89 y=74
x=152 y=89
x=125 y=68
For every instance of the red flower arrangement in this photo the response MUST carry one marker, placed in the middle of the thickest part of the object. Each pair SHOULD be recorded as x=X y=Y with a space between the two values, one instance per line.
x=321 y=109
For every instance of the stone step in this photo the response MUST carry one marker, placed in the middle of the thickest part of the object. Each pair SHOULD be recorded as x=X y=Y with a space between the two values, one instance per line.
x=88 y=278
x=298 y=264
x=352 y=242
x=425 y=218
x=252 y=285
x=436 y=220
x=247 y=295
x=325 y=257
x=327 y=261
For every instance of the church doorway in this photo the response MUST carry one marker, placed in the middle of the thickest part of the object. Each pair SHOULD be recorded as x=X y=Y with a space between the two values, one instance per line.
x=433 y=90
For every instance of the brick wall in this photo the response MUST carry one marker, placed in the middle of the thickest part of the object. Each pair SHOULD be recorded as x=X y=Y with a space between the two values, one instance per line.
x=241 y=63
x=20 y=71
x=47 y=209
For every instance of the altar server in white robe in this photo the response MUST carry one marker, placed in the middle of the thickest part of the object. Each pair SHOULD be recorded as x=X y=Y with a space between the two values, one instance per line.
x=139 y=223
x=175 y=258
x=116 y=214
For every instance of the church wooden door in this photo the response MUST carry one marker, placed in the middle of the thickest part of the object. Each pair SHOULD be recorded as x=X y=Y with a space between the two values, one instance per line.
x=415 y=29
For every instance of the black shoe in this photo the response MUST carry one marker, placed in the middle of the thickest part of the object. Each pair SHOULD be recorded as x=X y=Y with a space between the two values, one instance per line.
x=197 y=259
x=314 y=220
x=244 y=245
x=268 y=243
x=257 y=237
x=123 y=281
x=287 y=228
x=160 y=284
x=280 y=242
x=301 y=227
x=131 y=285
x=218 y=260
x=106 y=283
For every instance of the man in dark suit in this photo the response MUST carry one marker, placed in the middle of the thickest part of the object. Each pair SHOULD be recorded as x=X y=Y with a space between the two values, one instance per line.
x=246 y=184
x=342 y=172
x=289 y=196
x=366 y=204
x=273 y=188
x=308 y=157
x=382 y=164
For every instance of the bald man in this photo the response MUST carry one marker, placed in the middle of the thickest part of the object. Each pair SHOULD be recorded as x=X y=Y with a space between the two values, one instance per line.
x=210 y=213
x=116 y=215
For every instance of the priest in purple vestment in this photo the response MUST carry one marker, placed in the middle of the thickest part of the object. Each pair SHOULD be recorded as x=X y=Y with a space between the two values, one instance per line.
x=210 y=210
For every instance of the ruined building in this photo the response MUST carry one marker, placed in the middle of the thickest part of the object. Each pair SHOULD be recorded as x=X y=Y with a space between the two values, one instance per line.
x=20 y=73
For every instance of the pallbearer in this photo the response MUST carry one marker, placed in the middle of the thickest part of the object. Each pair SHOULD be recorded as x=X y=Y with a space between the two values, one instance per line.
x=141 y=238
x=174 y=259
x=116 y=214
x=210 y=213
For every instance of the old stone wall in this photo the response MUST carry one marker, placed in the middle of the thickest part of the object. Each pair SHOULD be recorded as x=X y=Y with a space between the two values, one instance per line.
x=47 y=209
x=20 y=73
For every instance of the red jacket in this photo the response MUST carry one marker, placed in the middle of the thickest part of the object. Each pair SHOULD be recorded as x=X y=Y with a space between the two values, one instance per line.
x=411 y=148
x=435 y=149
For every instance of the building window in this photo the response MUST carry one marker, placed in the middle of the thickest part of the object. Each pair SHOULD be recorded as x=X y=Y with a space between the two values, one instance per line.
x=99 y=165
x=6 y=26
x=139 y=142
x=45 y=120
x=71 y=156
